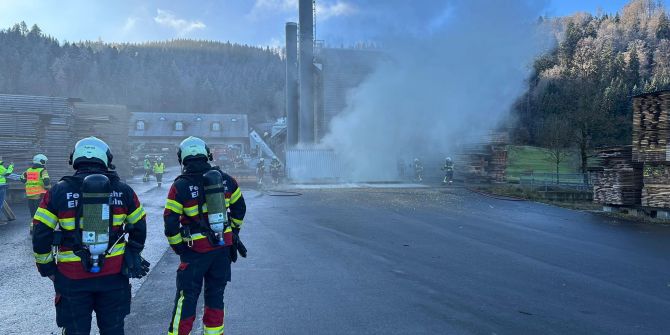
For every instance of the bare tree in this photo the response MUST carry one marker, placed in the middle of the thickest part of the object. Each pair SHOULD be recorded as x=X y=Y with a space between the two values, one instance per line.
x=556 y=137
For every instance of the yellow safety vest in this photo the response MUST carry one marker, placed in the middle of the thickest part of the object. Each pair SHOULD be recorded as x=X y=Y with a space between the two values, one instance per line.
x=5 y=171
x=159 y=168
x=35 y=182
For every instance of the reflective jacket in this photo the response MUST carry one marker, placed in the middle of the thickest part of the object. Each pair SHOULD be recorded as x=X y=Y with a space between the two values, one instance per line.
x=147 y=164
x=182 y=209
x=57 y=212
x=37 y=181
x=4 y=172
x=159 y=167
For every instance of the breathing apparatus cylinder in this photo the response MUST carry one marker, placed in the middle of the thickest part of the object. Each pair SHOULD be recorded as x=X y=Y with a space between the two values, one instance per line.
x=215 y=197
x=96 y=216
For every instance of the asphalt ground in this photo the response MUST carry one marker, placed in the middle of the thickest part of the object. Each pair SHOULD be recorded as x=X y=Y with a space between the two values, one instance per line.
x=396 y=261
x=431 y=261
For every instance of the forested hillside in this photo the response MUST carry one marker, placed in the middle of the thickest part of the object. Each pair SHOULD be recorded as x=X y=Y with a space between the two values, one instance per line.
x=172 y=76
x=585 y=83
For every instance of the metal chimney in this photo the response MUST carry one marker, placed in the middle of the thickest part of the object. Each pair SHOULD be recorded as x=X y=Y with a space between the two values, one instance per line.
x=306 y=15
x=292 y=84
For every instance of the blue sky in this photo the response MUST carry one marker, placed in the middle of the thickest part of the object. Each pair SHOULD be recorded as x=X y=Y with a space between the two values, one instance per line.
x=255 y=22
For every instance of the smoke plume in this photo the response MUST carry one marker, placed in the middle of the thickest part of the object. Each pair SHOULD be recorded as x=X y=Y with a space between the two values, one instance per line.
x=453 y=71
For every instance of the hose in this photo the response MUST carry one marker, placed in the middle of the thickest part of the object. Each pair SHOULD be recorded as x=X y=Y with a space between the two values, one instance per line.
x=279 y=193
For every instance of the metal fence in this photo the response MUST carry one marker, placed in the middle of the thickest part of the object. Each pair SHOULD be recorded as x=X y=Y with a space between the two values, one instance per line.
x=580 y=181
x=313 y=165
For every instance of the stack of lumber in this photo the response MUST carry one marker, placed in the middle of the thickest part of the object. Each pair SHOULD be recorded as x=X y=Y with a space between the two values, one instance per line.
x=651 y=139
x=30 y=125
x=498 y=163
x=656 y=191
x=651 y=127
x=110 y=124
x=620 y=181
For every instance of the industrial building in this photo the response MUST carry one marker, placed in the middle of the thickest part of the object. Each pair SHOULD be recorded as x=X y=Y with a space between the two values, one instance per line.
x=162 y=132
x=318 y=81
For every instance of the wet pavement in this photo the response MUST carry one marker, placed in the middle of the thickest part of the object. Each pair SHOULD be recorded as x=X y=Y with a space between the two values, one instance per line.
x=369 y=260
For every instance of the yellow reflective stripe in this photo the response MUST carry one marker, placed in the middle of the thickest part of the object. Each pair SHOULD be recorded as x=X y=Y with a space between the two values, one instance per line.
x=228 y=230
x=235 y=196
x=213 y=330
x=176 y=239
x=43 y=215
x=44 y=258
x=237 y=222
x=119 y=219
x=67 y=223
x=118 y=249
x=177 y=313
x=191 y=211
x=174 y=206
x=136 y=215
x=197 y=236
x=69 y=256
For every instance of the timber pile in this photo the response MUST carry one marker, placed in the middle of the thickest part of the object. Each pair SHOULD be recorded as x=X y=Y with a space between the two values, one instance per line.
x=620 y=181
x=33 y=124
x=656 y=191
x=498 y=163
x=483 y=163
x=110 y=124
x=651 y=127
x=651 y=146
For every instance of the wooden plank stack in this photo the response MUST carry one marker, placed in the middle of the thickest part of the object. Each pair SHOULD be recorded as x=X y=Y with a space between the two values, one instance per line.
x=51 y=125
x=656 y=191
x=620 y=181
x=651 y=127
x=34 y=124
x=483 y=163
x=110 y=124
x=651 y=146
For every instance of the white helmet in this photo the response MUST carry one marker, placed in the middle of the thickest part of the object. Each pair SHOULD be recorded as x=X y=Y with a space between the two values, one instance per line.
x=193 y=147
x=40 y=159
x=91 y=149
x=448 y=159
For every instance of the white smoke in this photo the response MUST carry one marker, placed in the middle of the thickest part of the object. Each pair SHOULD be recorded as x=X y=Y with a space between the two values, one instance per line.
x=452 y=76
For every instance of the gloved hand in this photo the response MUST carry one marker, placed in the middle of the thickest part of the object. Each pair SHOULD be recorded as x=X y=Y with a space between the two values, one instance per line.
x=85 y=258
x=237 y=246
x=134 y=266
x=180 y=248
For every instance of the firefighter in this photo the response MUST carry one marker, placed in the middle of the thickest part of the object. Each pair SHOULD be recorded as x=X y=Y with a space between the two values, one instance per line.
x=159 y=169
x=4 y=172
x=448 y=169
x=203 y=215
x=36 y=180
x=147 y=168
x=92 y=262
x=260 y=170
x=418 y=170
x=275 y=170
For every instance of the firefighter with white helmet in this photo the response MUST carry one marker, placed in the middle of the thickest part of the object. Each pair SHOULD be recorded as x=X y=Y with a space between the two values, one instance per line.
x=203 y=215
x=275 y=170
x=36 y=180
x=448 y=169
x=97 y=226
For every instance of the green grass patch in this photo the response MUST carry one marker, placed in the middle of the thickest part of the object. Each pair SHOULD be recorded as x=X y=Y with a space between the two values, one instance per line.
x=526 y=159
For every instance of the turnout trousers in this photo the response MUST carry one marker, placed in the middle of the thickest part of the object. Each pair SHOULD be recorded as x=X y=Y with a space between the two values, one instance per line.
x=75 y=300
x=212 y=268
